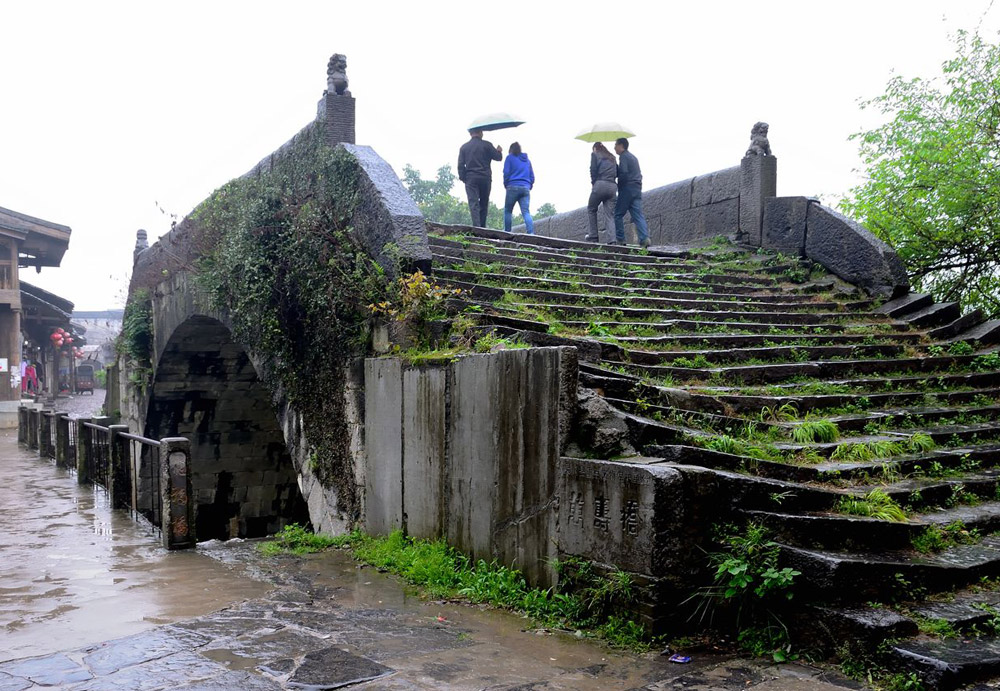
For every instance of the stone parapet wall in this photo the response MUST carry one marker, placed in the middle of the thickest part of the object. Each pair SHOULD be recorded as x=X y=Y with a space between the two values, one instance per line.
x=704 y=206
x=803 y=227
x=468 y=451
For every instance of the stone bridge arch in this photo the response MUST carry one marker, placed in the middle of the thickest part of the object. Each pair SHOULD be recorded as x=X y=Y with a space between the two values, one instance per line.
x=250 y=469
x=206 y=388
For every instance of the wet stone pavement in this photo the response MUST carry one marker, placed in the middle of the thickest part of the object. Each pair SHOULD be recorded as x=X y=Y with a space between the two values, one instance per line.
x=330 y=623
x=84 y=605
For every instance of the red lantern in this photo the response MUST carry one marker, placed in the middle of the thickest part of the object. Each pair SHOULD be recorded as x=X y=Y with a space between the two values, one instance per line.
x=68 y=340
x=55 y=335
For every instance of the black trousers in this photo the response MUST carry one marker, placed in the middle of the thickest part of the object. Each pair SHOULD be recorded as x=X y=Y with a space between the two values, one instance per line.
x=478 y=191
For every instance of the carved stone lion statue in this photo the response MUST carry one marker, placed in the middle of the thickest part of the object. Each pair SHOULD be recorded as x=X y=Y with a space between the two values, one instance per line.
x=759 y=146
x=336 y=74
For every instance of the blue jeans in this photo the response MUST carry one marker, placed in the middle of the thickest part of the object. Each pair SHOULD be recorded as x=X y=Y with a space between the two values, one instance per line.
x=521 y=195
x=630 y=200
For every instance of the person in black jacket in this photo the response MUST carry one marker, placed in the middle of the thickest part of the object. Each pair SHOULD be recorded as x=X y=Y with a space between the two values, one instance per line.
x=629 y=195
x=474 y=160
x=603 y=170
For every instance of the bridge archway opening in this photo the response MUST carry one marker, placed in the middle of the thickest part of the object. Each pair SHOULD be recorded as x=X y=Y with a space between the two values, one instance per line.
x=206 y=389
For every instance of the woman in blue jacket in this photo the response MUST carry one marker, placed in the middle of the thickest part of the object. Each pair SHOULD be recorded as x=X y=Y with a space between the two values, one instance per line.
x=518 y=178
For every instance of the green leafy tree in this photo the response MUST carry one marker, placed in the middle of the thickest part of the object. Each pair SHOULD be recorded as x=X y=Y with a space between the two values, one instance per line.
x=544 y=211
x=933 y=189
x=436 y=203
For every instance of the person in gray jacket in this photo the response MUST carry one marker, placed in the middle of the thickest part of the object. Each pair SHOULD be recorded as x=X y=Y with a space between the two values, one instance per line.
x=604 y=190
x=629 y=195
x=475 y=159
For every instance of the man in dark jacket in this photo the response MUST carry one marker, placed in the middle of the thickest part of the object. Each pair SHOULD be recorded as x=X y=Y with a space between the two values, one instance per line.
x=474 y=159
x=629 y=195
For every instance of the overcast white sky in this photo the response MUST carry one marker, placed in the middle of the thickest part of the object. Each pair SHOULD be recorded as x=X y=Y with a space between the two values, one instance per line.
x=110 y=108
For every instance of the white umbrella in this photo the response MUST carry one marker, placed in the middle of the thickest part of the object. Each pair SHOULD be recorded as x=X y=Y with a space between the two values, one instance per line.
x=495 y=121
x=605 y=132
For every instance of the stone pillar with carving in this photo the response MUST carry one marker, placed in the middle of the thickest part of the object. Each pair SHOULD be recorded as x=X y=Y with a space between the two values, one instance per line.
x=141 y=243
x=758 y=181
x=177 y=523
x=336 y=108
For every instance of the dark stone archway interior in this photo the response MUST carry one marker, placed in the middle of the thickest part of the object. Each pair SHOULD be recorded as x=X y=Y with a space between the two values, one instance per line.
x=206 y=389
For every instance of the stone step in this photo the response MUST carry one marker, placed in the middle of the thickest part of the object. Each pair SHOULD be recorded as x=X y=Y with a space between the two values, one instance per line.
x=857 y=577
x=824 y=628
x=435 y=230
x=938 y=314
x=964 y=610
x=987 y=333
x=656 y=276
x=582 y=253
x=911 y=302
x=747 y=404
x=899 y=416
x=696 y=319
x=689 y=345
x=600 y=276
x=752 y=403
x=747 y=283
x=723 y=356
x=591 y=287
x=730 y=258
x=508 y=257
x=492 y=293
x=823 y=370
x=987 y=381
x=960 y=325
x=950 y=663
x=728 y=340
x=863 y=534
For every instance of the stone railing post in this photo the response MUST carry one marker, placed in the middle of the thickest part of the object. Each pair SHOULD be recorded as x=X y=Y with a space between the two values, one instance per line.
x=177 y=519
x=33 y=429
x=758 y=181
x=62 y=440
x=44 y=432
x=336 y=107
x=119 y=476
x=22 y=425
x=84 y=452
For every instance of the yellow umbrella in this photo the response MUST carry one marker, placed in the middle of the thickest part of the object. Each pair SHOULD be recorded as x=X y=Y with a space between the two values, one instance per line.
x=605 y=132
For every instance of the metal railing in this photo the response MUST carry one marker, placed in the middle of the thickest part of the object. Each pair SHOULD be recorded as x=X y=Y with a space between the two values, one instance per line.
x=146 y=477
x=97 y=442
x=142 y=457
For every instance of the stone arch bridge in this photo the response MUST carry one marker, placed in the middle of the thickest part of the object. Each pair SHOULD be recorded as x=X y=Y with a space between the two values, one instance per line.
x=662 y=392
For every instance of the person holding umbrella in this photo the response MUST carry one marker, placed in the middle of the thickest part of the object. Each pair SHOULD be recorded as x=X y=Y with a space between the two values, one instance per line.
x=518 y=179
x=474 y=170
x=629 y=195
x=603 y=171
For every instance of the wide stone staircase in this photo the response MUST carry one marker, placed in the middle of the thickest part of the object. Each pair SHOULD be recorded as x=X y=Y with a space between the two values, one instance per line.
x=864 y=435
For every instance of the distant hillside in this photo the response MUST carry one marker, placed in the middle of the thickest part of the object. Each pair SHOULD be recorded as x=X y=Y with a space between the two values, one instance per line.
x=110 y=315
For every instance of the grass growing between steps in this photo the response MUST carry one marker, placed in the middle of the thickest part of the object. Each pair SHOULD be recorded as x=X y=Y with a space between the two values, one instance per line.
x=936 y=538
x=749 y=589
x=875 y=504
x=594 y=604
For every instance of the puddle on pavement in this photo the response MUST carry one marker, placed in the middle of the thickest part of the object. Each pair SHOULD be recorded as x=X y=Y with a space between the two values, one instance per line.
x=74 y=572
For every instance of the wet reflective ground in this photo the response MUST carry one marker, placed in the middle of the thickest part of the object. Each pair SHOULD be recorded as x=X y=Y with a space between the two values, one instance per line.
x=74 y=572
x=89 y=601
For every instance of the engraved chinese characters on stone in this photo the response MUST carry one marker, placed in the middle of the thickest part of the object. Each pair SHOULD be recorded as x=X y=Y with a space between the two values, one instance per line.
x=601 y=518
x=576 y=508
x=630 y=518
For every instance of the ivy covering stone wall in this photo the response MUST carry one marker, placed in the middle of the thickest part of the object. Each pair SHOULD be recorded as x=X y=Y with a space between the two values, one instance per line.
x=281 y=261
